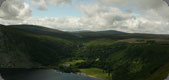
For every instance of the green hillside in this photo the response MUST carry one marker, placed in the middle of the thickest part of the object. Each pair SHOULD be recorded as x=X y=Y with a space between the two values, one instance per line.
x=132 y=61
x=122 y=56
x=25 y=49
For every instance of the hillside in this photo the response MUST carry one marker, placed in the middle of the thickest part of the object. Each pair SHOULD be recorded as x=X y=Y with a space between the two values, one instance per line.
x=121 y=56
x=44 y=31
x=132 y=61
x=21 y=48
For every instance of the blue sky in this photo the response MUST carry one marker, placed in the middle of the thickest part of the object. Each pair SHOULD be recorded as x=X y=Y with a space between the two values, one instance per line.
x=56 y=12
x=60 y=11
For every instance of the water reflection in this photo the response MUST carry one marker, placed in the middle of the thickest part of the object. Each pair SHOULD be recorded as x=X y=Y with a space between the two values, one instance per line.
x=42 y=75
x=167 y=78
x=1 y=78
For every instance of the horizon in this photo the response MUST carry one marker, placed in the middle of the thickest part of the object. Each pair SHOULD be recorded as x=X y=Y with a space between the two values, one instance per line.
x=85 y=30
x=149 y=16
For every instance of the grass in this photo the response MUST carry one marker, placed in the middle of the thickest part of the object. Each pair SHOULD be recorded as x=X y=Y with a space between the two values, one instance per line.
x=75 y=62
x=95 y=72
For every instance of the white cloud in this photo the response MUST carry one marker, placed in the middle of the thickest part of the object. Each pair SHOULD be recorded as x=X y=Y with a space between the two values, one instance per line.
x=15 y=9
x=139 y=4
x=42 y=4
x=158 y=6
x=100 y=16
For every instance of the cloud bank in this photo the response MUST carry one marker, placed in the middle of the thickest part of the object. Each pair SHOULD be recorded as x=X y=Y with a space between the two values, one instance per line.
x=14 y=9
x=135 y=16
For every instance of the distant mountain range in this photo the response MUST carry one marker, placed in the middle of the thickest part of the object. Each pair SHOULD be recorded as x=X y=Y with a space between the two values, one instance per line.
x=104 y=31
x=111 y=32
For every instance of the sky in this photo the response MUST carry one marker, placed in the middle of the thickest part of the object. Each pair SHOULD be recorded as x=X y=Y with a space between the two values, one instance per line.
x=133 y=16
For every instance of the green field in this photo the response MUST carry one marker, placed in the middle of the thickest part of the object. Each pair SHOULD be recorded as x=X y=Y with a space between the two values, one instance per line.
x=74 y=62
x=95 y=72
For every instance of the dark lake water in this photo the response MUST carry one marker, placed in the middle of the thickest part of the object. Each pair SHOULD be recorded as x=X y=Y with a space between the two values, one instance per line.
x=40 y=74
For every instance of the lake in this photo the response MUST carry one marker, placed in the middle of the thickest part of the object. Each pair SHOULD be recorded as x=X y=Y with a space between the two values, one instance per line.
x=167 y=78
x=40 y=74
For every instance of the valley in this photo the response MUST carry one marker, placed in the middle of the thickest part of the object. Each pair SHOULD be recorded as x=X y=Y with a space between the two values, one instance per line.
x=110 y=55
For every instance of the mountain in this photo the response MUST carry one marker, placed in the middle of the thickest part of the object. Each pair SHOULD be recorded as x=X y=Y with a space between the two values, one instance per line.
x=124 y=56
x=82 y=31
x=105 y=32
x=111 y=32
x=22 y=47
x=44 y=31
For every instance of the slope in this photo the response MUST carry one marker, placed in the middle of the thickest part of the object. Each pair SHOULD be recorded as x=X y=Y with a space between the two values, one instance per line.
x=20 y=48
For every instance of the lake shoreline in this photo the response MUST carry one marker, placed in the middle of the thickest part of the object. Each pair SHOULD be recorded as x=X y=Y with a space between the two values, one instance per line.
x=42 y=74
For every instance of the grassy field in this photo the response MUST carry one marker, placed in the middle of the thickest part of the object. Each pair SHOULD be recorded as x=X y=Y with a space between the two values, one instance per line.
x=74 y=62
x=95 y=72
